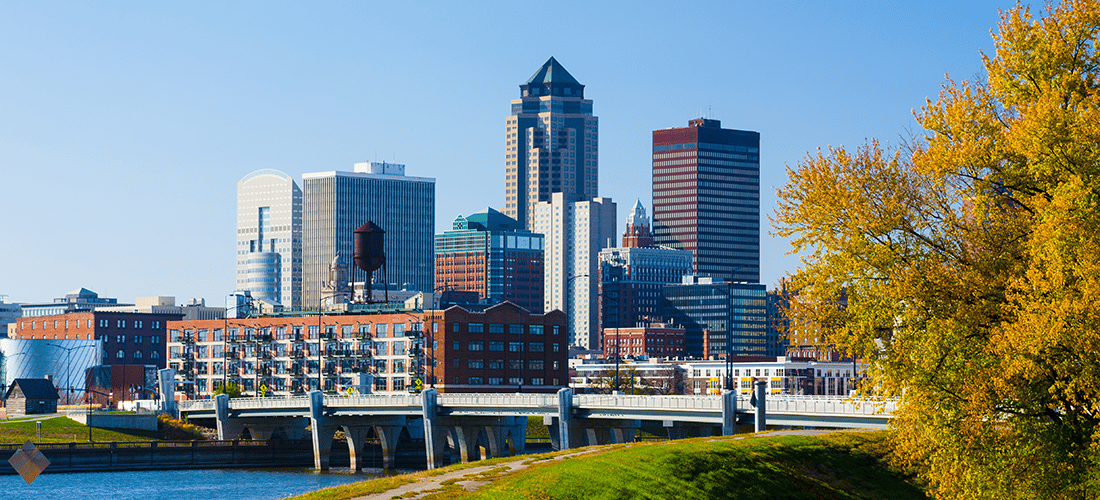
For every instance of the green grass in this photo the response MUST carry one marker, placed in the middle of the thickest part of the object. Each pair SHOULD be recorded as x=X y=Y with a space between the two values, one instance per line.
x=62 y=429
x=835 y=466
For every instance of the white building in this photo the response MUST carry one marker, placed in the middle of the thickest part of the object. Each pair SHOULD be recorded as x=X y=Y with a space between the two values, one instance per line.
x=785 y=375
x=574 y=234
x=9 y=312
x=159 y=304
x=269 y=237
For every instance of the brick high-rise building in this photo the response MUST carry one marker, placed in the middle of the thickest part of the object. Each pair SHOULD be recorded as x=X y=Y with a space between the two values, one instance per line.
x=491 y=254
x=706 y=197
x=551 y=143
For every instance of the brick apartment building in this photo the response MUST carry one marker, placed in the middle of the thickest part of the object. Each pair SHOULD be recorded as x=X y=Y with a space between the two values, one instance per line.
x=654 y=341
x=504 y=348
x=285 y=355
x=128 y=338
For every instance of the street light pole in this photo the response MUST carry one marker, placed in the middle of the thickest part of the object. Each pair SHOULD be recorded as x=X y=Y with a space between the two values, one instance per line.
x=729 y=330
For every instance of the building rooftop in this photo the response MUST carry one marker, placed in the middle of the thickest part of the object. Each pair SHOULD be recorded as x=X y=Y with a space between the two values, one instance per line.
x=552 y=72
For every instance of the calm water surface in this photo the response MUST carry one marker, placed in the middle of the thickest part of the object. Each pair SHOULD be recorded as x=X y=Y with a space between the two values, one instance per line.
x=179 y=485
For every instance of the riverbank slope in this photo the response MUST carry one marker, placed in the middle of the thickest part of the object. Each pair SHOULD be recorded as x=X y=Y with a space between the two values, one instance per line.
x=782 y=464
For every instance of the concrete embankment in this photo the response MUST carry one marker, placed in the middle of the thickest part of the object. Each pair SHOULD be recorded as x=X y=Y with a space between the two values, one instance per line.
x=243 y=453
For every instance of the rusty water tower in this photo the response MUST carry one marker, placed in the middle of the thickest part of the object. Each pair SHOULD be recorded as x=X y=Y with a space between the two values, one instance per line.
x=370 y=254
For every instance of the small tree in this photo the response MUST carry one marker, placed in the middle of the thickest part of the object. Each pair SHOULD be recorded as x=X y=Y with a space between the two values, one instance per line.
x=232 y=389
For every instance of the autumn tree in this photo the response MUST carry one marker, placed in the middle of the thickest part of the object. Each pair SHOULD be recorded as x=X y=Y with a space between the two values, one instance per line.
x=969 y=258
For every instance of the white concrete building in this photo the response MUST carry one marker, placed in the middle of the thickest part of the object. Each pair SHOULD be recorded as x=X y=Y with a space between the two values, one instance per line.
x=574 y=233
x=269 y=237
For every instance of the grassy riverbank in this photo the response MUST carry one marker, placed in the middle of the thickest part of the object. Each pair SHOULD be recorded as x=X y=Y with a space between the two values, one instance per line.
x=834 y=466
x=61 y=429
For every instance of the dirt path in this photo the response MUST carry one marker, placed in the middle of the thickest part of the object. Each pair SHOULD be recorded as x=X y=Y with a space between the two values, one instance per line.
x=473 y=478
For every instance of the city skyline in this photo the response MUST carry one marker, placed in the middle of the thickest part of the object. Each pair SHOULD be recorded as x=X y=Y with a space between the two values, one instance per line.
x=126 y=125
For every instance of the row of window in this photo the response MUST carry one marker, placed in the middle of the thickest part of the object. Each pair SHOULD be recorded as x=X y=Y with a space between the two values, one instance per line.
x=511 y=381
x=513 y=364
x=479 y=345
x=103 y=323
x=499 y=328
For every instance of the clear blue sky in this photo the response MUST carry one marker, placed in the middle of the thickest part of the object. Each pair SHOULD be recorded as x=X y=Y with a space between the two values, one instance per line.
x=126 y=126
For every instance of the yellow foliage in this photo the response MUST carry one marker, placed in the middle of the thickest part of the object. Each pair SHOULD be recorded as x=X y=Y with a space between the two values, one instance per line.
x=965 y=266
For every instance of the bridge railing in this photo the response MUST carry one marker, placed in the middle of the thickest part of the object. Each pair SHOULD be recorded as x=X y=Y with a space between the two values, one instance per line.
x=254 y=403
x=705 y=403
x=381 y=400
x=199 y=405
x=499 y=400
x=834 y=405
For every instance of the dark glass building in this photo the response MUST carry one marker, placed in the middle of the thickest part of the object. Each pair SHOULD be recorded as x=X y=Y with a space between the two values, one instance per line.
x=706 y=197
x=708 y=309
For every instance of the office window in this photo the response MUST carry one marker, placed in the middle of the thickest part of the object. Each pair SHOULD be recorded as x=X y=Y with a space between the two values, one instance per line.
x=496 y=328
x=535 y=329
x=537 y=381
x=496 y=364
x=515 y=347
x=137 y=355
x=476 y=328
x=496 y=380
x=120 y=354
x=557 y=347
x=536 y=364
x=475 y=345
x=536 y=347
x=557 y=330
x=121 y=339
x=456 y=345
x=496 y=346
x=476 y=364
x=515 y=380
x=516 y=329
x=454 y=327
x=475 y=380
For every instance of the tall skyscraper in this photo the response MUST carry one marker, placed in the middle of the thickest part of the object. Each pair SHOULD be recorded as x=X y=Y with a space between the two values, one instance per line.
x=575 y=233
x=551 y=143
x=491 y=254
x=706 y=197
x=269 y=237
x=335 y=204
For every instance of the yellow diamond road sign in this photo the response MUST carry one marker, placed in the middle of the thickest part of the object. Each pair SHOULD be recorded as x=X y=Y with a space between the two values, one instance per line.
x=29 y=462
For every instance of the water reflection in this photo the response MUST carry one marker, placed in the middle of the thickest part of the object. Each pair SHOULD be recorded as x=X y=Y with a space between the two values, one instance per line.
x=258 y=484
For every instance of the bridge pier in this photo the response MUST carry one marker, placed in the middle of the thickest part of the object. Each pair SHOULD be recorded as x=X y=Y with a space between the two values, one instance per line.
x=435 y=433
x=228 y=428
x=761 y=405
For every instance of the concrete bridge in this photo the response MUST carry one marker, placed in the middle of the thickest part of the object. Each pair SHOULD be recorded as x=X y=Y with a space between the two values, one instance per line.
x=491 y=425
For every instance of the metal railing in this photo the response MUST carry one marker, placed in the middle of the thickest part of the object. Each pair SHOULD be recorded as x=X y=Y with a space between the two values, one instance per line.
x=821 y=405
x=712 y=403
x=498 y=400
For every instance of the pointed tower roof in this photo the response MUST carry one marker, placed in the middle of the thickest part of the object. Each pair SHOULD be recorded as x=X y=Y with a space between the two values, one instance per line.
x=552 y=79
x=552 y=72
x=492 y=220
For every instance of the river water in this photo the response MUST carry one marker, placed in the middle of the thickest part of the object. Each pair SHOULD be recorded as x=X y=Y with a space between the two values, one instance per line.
x=257 y=484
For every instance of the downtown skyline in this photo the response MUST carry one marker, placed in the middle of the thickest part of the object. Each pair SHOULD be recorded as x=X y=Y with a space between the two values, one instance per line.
x=127 y=130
